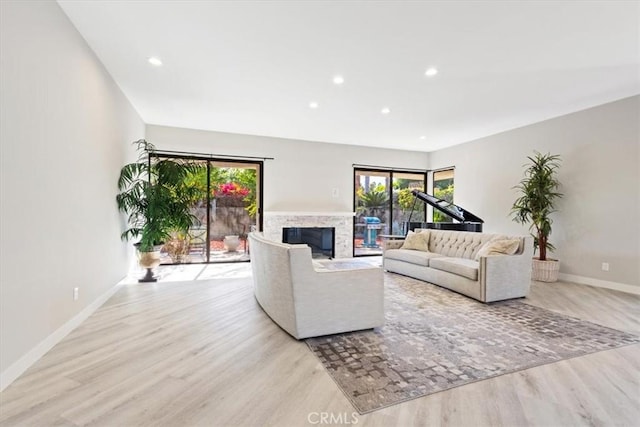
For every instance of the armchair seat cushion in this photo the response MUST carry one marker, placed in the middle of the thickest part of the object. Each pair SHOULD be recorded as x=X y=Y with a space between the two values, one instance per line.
x=461 y=266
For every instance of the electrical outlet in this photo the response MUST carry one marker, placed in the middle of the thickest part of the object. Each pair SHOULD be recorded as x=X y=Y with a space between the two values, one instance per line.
x=76 y=292
x=605 y=266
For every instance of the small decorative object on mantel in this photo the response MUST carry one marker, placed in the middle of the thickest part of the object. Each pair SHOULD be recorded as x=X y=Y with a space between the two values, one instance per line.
x=539 y=192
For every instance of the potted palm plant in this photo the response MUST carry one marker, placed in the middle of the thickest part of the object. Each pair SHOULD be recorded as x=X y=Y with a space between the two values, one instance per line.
x=538 y=195
x=157 y=201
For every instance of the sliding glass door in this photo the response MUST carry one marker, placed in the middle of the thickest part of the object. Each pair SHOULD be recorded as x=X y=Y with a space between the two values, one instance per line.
x=382 y=202
x=234 y=197
x=226 y=200
x=373 y=210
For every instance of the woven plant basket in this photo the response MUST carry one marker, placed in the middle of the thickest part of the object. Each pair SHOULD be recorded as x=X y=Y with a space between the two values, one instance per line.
x=545 y=271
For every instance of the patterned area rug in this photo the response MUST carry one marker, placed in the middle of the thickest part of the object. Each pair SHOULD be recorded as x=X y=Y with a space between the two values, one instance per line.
x=435 y=339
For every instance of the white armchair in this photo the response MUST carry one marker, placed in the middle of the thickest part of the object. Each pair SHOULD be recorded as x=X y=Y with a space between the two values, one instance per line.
x=307 y=302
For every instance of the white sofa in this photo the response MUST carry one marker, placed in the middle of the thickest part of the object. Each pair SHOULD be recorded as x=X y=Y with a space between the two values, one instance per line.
x=307 y=302
x=450 y=262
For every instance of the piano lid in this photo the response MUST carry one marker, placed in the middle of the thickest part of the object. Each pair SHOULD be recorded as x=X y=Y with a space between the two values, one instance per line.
x=449 y=209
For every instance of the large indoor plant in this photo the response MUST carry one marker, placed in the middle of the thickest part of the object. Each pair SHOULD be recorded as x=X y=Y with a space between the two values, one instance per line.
x=538 y=195
x=157 y=201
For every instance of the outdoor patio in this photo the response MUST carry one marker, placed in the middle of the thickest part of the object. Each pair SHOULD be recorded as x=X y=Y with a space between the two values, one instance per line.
x=218 y=253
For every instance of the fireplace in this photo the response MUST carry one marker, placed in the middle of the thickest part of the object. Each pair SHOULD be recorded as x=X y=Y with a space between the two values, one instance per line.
x=319 y=239
x=341 y=222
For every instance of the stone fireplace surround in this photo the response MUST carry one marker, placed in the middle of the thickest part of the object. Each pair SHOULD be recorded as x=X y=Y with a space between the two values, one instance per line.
x=274 y=222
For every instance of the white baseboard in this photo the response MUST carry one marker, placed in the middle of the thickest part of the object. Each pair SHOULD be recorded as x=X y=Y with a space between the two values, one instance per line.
x=599 y=283
x=18 y=367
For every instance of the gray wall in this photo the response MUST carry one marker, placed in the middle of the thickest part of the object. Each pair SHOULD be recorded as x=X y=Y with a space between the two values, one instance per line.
x=599 y=217
x=65 y=132
x=303 y=175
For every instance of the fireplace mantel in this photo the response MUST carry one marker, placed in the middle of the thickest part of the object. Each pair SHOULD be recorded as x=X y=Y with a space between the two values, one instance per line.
x=275 y=221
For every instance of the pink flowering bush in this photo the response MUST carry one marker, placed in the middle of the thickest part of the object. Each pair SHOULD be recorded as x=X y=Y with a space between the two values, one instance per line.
x=231 y=189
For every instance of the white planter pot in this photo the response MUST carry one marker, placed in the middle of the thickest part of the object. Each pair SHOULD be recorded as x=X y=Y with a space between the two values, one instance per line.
x=231 y=243
x=545 y=271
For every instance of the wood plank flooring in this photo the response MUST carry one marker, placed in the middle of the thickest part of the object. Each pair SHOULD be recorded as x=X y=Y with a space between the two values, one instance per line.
x=203 y=353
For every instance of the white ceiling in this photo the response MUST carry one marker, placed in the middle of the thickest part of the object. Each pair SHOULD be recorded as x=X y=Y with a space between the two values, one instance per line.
x=253 y=67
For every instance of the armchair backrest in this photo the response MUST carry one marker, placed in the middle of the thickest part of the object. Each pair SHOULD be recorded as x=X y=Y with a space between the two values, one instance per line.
x=309 y=303
x=273 y=279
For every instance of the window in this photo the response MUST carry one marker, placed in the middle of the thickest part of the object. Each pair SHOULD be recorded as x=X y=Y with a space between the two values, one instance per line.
x=443 y=189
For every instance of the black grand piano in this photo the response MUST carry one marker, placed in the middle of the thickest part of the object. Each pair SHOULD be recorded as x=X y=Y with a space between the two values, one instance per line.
x=466 y=220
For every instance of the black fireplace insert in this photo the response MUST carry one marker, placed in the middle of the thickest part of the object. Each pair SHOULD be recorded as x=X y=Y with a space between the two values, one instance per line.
x=319 y=239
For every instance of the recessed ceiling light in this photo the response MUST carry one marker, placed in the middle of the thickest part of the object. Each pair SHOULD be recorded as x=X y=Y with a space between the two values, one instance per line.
x=313 y=105
x=385 y=110
x=431 y=72
x=338 y=80
x=423 y=137
x=155 y=61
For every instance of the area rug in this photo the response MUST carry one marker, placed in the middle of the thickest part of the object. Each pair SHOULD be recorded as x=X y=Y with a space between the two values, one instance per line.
x=435 y=339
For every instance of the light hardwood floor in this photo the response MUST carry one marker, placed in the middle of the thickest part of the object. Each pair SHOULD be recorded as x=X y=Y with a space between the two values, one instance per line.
x=204 y=353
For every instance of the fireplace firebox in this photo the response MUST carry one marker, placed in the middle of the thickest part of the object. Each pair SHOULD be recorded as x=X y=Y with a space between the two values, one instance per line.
x=320 y=239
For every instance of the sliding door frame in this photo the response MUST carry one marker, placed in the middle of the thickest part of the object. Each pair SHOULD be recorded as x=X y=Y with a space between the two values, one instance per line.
x=209 y=160
x=357 y=170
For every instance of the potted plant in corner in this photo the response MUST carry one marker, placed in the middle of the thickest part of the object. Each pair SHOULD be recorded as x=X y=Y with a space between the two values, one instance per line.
x=539 y=192
x=157 y=202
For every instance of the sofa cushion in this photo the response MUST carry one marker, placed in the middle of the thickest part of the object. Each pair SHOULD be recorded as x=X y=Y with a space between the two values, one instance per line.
x=411 y=256
x=499 y=247
x=461 y=266
x=417 y=241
